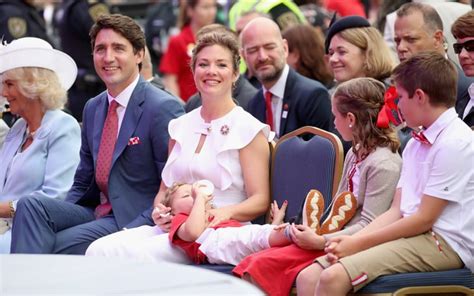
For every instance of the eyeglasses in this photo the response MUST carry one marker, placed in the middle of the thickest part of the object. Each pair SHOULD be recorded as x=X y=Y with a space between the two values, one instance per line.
x=468 y=45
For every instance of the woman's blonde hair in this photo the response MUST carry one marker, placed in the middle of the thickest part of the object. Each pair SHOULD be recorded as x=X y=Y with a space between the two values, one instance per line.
x=364 y=98
x=379 y=61
x=39 y=83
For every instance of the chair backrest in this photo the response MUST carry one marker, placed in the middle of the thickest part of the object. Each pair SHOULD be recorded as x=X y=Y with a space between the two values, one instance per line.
x=266 y=217
x=300 y=164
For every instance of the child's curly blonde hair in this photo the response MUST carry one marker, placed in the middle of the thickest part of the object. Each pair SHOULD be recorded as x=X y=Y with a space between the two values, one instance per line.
x=169 y=193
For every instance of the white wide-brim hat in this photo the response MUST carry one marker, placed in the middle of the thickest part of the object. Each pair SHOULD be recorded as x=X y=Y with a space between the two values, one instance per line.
x=35 y=52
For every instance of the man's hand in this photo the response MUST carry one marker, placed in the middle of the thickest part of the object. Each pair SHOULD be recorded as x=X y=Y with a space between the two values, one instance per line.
x=162 y=217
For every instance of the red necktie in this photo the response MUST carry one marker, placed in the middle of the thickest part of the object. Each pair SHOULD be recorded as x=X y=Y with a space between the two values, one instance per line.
x=420 y=137
x=268 y=107
x=104 y=158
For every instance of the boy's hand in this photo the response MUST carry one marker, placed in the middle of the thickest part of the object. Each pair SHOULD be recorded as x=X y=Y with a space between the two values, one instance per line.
x=278 y=214
x=343 y=246
x=305 y=237
x=162 y=216
x=331 y=258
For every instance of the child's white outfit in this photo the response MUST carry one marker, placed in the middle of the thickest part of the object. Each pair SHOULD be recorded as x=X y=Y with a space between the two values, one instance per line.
x=227 y=243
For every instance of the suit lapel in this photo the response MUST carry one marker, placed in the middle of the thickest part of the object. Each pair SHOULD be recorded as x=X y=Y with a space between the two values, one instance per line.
x=99 y=120
x=260 y=109
x=130 y=119
x=461 y=103
x=286 y=104
x=470 y=116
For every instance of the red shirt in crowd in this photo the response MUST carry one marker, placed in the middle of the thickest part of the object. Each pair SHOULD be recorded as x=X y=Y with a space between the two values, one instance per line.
x=177 y=60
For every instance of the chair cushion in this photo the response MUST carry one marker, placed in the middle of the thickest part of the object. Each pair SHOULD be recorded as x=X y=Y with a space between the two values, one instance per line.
x=391 y=283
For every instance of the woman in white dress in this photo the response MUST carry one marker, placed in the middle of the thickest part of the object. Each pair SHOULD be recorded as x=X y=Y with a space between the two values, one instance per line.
x=219 y=142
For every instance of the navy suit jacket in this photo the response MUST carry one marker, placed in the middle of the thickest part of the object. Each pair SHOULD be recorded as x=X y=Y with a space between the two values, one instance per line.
x=135 y=173
x=463 y=97
x=306 y=101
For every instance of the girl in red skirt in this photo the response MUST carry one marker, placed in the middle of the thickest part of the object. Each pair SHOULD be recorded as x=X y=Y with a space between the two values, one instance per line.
x=371 y=171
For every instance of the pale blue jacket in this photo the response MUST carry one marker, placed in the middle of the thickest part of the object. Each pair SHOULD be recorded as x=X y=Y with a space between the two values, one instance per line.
x=46 y=168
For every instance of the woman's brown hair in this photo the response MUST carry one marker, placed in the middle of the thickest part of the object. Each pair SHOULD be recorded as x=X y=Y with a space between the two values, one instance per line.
x=309 y=43
x=216 y=34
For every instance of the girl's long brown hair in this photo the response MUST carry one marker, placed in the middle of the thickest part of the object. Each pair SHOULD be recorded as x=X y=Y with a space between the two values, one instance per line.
x=364 y=97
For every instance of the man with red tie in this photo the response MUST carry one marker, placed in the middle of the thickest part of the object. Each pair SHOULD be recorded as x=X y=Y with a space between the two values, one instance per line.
x=287 y=100
x=429 y=225
x=124 y=148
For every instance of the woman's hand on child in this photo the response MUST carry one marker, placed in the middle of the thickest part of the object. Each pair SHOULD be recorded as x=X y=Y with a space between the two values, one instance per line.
x=219 y=215
x=278 y=214
x=305 y=238
x=162 y=217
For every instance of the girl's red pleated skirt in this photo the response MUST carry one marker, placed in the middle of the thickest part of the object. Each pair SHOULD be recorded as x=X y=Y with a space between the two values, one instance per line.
x=275 y=269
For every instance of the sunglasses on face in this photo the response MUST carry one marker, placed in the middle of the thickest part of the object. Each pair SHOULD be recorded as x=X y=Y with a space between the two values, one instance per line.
x=468 y=45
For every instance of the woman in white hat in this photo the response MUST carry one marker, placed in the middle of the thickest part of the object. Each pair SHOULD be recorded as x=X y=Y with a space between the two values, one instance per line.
x=41 y=151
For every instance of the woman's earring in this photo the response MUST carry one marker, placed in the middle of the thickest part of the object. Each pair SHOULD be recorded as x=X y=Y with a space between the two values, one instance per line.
x=350 y=125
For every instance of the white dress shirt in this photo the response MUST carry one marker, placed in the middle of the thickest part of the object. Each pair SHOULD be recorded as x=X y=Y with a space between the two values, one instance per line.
x=278 y=92
x=122 y=99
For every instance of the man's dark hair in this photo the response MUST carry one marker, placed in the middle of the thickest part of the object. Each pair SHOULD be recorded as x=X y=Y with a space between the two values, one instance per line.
x=123 y=25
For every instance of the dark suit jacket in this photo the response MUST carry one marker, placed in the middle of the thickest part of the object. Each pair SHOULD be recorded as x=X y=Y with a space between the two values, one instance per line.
x=135 y=174
x=469 y=119
x=307 y=102
x=463 y=97
x=242 y=95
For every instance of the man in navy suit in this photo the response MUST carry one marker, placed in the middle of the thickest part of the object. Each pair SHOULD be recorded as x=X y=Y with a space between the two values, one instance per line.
x=419 y=28
x=135 y=126
x=463 y=31
x=293 y=99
